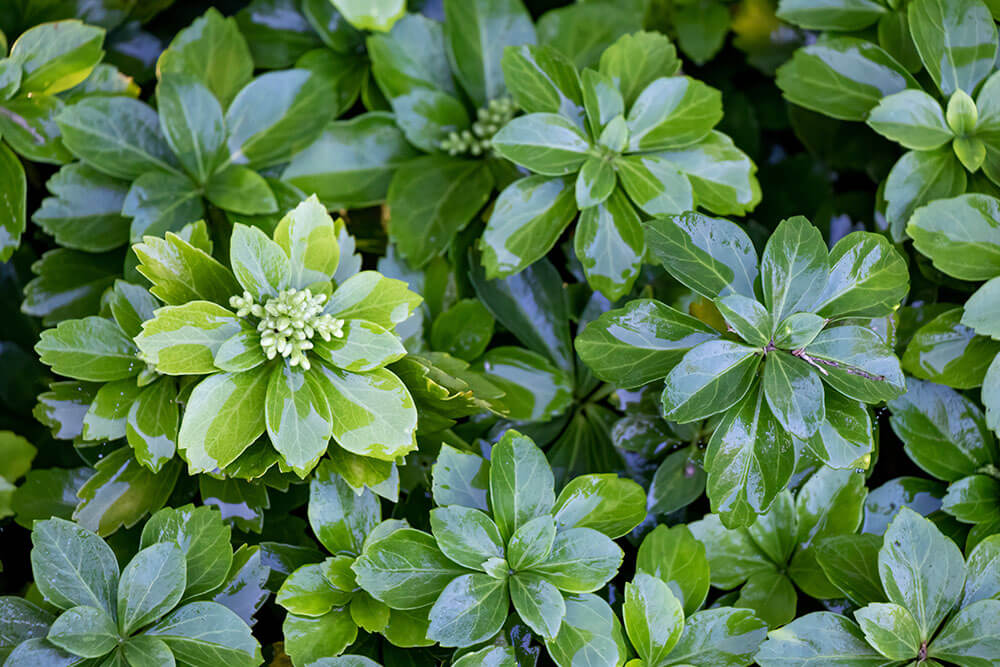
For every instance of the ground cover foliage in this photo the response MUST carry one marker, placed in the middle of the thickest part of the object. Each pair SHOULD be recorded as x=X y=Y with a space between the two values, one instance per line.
x=632 y=333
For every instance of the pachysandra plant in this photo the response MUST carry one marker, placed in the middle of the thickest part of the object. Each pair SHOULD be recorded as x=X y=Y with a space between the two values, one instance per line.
x=208 y=139
x=286 y=343
x=604 y=143
x=949 y=138
x=448 y=97
x=778 y=552
x=961 y=346
x=157 y=610
x=935 y=608
x=324 y=602
x=499 y=536
x=48 y=65
x=945 y=433
x=792 y=361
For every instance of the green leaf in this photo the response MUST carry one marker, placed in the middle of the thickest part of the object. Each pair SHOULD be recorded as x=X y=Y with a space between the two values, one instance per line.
x=946 y=351
x=701 y=30
x=850 y=562
x=582 y=560
x=192 y=123
x=793 y=268
x=340 y=517
x=212 y=49
x=466 y=535
x=363 y=347
x=747 y=317
x=405 y=569
x=971 y=637
x=88 y=632
x=460 y=478
x=239 y=189
x=653 y=616
x=918 y=178
x=842 y=77
x=145 y=651
x=308 y=237
x=432 y=199
x=471 y=609
x=181 y=272
x=151 y=585
x=464 y=330
x=858 y=363
x=960 y=235
x=713 y=257
x=85 y=211
x=306 y=592
x=655 y=185
x=276 y=115
x=595 y=182
x=534 y=389
x=602 y=101
x=641 y=342
x=674 y=556
x=529 y=216
x=709 y=379
x=539 y=604
x=973 y=500
x=635 y=61
x=822 y=638
x=794 y=392
x=223 y=417
x=203 y=538
x=370 y=296
x=719 y=636
x=373 y=413
x=868 y=278
x=297 y=417
x=845 y=437
x=183 y=340
x=377 y=15
x=152 y=423
x=980 y=313
x=545 y=143
x=921 y=570
x=351 y=163
x=846 y=15
x=911 y=118
x=543 y=80
x=72 y=566
x=957 y=42
x=583 y=32
x=521 y=483
x=491 y=656
x=531 y=543
x=22 y=621
x=942 y=431
x=39 y=651
x=672 y=112
x=13 y=205
x=476 y=34
x=119 y=136
x=160 y=202
x=259 y=264
x=607 y=503
x=57 y=56
x=92 y=348
x=721 y=175
x=590 y=633
x=609 y=244
x=749 y=460
x=69 y=284
x=207 y=633
x=28 y=124
x=981 y=582
x=121 y=491
x=310 y=640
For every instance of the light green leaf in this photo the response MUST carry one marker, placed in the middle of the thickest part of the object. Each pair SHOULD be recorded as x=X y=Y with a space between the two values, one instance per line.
x=672 y=112
x=595 y=182
x=204 y=539
x=971 y=637
x=590 y=633
x=306 y=592
x=846 y=15
x=675 y=557
x=794 y=392
x=858 y=363
x=181 y=272
x=310 y=640
x=13 y=205
x=521 y=483
x=543 y=80
x=73 y=566
x=260 y=265
x=653 y=616
x=911 y=118
x=88 y=632
x=370 y=296
x=545 y=143
x=721 y=175
x=308 y=237
x=534 y=389
x=466 y=535
x=655 y=185
x=460 y=478
x=224 y=415
x=636 y=60
x=57 y=56
x=747 y=317
x=868 y=278
x=471 y=609
x=183 y=340
x=151 y=585
x=539 y=604
x=957 y=41
x=373 y=413
x=845 y=437
x=208 y=633
x=582 y=560
x=297 y=417
x=609 y=244
x=820 y=638
x=531 y=543
x=793 y=268
x=374 y=15
x=921 y=570
x=92 y=348
x=607 y=503
x=961 y=235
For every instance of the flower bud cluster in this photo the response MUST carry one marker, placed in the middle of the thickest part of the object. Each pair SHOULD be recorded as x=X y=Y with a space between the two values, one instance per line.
x=288 y=323
x=489 y=121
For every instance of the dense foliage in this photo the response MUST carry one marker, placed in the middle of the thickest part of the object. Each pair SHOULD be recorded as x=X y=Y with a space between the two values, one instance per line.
x=605 y=333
